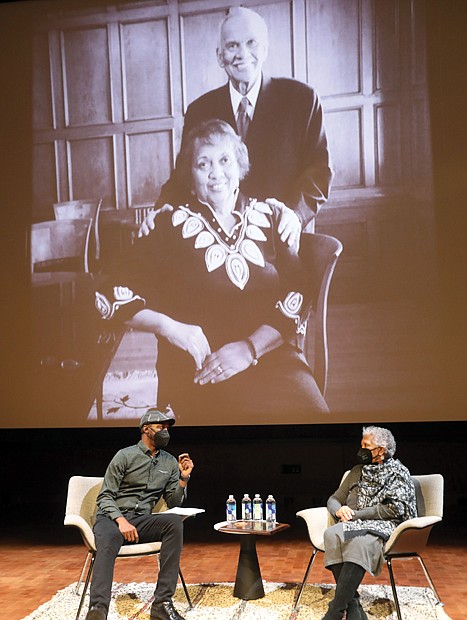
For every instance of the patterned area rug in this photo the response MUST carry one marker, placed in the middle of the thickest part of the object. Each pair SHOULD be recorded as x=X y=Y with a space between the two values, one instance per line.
x=215 y=601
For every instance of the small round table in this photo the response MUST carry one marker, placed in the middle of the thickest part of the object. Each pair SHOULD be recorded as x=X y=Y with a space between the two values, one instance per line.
x=248 y=582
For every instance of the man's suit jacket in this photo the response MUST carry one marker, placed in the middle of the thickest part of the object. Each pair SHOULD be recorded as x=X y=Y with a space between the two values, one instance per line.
x=286 y=140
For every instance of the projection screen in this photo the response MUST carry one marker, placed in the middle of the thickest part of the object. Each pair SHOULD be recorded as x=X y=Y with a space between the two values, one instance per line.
x=111 y=84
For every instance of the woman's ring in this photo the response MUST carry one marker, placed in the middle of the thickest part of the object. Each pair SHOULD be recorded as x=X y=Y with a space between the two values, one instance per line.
x=219 y=370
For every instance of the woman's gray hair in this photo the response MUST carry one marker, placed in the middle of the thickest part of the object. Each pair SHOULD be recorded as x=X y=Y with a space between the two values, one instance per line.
x=209 y=132
x=382 y=437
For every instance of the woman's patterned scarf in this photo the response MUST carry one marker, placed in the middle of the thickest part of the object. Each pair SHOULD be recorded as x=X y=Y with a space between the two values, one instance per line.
x=387 y=483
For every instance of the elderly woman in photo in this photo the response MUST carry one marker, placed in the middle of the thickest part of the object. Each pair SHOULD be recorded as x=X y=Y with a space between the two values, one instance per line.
x=222 y=293
x=373 y=499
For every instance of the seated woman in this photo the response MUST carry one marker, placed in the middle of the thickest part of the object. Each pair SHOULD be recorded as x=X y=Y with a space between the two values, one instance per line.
x=222 y=293
x=369 y=504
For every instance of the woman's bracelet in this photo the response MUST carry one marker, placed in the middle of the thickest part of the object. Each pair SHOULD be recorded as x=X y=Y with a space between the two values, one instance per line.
x=251 y=346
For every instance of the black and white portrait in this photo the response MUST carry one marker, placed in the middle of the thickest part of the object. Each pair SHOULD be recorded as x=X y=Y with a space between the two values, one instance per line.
x=345 y=146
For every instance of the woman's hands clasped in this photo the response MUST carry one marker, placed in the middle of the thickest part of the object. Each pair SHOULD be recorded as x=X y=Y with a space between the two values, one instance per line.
x=224 y=363
x=189 y=338
x=345 y=513
x=215 y=367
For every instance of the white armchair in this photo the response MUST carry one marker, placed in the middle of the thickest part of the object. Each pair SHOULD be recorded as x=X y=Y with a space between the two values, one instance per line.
x=80 y=512
x=408 y=540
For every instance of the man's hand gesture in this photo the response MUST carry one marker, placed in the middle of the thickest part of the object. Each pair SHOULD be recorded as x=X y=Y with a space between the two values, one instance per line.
x=149 y=222
x=185 y=465
x=289 y=226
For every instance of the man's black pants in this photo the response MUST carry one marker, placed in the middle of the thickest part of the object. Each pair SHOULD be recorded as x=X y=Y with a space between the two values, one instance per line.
x=151 y=528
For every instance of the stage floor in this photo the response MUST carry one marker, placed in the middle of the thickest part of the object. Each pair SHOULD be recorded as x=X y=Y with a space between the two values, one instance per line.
x=32 y=573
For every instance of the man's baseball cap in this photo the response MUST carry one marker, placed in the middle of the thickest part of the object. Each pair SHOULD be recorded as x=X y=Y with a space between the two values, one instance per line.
x=154 y=416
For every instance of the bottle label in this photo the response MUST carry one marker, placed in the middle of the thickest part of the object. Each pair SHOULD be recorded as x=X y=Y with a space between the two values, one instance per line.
x=271 y=511
x=257 y=510
x=247 y=511
x=231 y=511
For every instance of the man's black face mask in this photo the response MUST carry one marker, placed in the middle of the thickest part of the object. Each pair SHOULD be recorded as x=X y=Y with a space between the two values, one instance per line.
x=161 y=438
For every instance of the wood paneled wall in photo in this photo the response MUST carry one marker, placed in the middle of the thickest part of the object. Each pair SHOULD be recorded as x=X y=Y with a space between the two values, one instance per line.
x=112 y=82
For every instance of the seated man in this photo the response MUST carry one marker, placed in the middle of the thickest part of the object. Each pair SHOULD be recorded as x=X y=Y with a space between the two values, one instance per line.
x=370 y=503
x=135 y=480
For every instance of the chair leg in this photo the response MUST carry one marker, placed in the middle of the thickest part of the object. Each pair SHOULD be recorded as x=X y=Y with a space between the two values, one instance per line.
x=308 y=568
x=83 y=570
x=86 y=585
x=428 y=578
x=190 y=604
x=394 y=591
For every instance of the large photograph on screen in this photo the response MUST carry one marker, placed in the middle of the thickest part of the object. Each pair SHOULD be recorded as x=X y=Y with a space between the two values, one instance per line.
x=289 y=274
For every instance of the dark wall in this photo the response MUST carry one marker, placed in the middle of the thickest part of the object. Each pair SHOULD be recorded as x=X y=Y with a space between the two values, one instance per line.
x=36 y=466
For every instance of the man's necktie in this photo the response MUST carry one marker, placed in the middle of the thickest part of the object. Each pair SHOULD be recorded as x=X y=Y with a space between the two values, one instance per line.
x=243 y=120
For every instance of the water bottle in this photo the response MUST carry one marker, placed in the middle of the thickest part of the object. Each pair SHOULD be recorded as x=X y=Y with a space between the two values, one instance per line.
x=247 y=508
x=231 y=509
x=271 y=509
x=257 y=508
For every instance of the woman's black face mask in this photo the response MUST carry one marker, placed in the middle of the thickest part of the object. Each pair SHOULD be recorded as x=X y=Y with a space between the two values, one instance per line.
x=365 y=456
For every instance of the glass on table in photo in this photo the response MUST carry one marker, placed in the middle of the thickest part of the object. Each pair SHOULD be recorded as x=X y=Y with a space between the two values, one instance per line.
x=231 y=509
x=141 y=213
x=270 y=509
x=257 y=508
x=247 y=508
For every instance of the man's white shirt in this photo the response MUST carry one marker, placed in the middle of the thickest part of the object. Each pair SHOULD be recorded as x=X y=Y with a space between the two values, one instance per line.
x=251 y=95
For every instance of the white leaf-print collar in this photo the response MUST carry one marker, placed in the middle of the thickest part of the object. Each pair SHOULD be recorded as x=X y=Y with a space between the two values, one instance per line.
x=234 y=249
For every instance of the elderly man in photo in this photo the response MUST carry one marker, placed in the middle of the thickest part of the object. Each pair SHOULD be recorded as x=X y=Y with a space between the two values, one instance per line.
x=279 y=119
x=136 y=478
